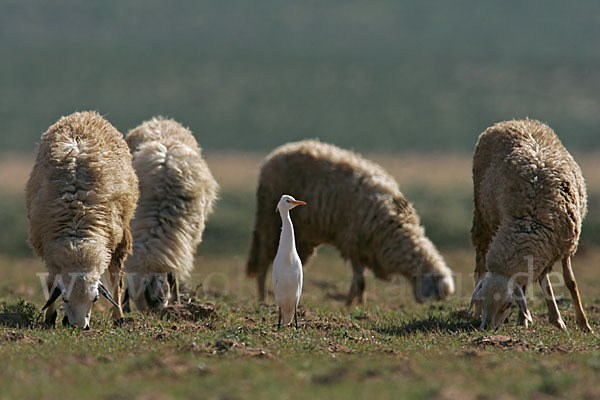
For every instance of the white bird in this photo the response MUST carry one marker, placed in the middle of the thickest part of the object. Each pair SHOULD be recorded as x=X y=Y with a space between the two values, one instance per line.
x=287 y=267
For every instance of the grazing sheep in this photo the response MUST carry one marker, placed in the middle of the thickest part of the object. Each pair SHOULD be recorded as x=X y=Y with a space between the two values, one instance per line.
x=530 y=200
x=355 y=206
x=81 y=195
x=177 y=193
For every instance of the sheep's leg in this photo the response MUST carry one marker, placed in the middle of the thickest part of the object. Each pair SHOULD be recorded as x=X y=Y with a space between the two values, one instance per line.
x=572 y=286
x=478 y=274
x=125 y=306
x=481 y=240
x=174 y=295
x=116 y=281
x=521 y=318
x=50 y=316
x=176 y=290
x=357 y=287
x=553 y=313
x=260 y=281
x=480 y=253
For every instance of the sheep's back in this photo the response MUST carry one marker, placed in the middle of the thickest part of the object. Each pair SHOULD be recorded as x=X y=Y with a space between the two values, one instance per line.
x=177 y=192
x=345 y=194
x=160 y=129
x=524 y=177
x=82 y=185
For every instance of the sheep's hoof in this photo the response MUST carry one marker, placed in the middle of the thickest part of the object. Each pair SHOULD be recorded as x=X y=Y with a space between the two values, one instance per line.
x=362 y=299
x=560 y=325
x=119 y=322
x=117 y=314
x=586 y=327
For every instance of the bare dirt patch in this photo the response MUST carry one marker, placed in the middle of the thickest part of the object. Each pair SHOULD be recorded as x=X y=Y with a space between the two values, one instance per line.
x=14 y=336
x=501 y=341
x=189 y=312
x=223 y=346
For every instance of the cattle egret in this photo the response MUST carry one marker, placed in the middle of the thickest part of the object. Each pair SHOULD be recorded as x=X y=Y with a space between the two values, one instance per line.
x=287 y=267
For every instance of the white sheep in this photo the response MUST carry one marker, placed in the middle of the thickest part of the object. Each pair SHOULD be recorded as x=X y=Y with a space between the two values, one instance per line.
x=530 y=201
x=80 y=197
x=177 y=193
x=355 y=206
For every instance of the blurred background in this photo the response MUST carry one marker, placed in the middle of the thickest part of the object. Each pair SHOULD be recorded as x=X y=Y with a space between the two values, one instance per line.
x=410 y=84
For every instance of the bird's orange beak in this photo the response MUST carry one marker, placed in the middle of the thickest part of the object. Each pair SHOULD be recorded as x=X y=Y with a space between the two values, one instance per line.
x=299 y=202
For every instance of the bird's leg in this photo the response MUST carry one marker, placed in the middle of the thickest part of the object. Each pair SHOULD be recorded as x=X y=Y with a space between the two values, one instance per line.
x=296 y=318
x=279 y=322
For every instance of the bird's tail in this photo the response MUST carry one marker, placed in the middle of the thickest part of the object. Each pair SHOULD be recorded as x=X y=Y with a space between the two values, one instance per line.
x=287 y=315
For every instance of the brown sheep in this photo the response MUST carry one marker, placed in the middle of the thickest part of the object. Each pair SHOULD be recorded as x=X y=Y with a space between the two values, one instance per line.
x=530 y=201
x=81 y=195
x=355 y=206
x=177 y=193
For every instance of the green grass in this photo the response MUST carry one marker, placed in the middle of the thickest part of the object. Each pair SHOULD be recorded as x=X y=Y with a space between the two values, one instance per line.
x=389 y=348
x=238 y=354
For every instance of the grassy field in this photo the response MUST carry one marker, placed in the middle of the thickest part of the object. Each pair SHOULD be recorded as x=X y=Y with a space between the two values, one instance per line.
x=223 y=345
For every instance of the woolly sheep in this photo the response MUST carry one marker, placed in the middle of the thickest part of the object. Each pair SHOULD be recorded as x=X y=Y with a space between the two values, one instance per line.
x=354 y=205
x=530 y=200
x=177 y=193
x=80 y=197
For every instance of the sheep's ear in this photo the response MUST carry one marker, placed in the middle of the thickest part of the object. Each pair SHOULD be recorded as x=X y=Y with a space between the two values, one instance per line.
x=104 y=292
x=53 y=296
x=520 y=299
x=475 y=295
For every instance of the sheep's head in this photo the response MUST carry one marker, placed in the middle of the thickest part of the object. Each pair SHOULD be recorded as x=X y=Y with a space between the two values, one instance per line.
x=75 y=266
x=432 y=279
x=79 y=292
x=496 y=294
x=432 y=287
x=148 y=290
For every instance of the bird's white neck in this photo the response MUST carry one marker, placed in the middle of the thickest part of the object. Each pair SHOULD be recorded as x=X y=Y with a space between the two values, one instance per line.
x=287 y=241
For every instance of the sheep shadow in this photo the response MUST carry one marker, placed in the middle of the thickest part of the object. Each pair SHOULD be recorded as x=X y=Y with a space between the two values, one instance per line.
x=456 y=321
